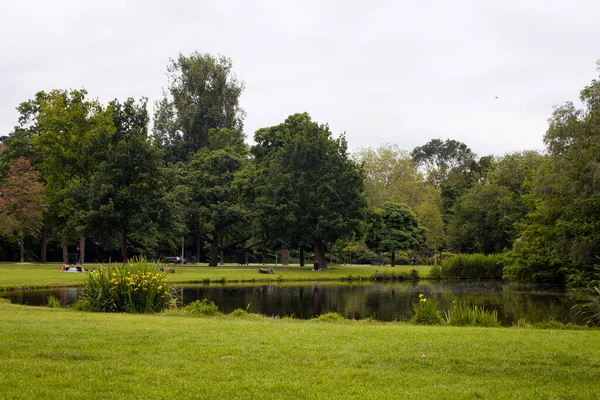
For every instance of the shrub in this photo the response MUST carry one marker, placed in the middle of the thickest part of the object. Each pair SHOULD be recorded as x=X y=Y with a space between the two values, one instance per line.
x=413 y=275
x=4 y=301
x=463 y=314
x=435 y=272
x=590 y=309
x=202 y=307
x=474 y=266
x=136 y=287
x=330 y=316
x=53 y=302
x=426 y=312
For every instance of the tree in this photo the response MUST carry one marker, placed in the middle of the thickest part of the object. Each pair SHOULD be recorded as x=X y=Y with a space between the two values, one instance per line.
x=393 y=176
x=306 y=188
x=394 y=228
x=451 y=167
x=203 y=95
x=68 y=133
x=21 y=202
x=219 y=214
x=484 y=219
x=126 y=195
x=560 y=239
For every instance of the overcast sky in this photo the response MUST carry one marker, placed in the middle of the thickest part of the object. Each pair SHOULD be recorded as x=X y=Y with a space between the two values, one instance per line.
x=399 y=72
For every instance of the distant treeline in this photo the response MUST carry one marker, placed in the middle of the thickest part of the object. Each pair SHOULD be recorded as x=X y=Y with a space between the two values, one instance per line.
x=84 y=179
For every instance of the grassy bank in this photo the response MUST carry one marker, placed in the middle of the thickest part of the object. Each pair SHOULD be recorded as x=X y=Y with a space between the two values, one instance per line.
x=45 y=275
x=57 y=353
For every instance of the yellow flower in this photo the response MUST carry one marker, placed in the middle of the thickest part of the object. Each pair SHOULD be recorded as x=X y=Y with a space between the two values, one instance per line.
x=421 y=295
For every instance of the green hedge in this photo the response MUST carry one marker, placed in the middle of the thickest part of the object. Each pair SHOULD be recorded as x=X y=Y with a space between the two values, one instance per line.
x=474 y=266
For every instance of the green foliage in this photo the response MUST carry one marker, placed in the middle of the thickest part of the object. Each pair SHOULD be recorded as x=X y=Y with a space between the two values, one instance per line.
x=590 y=309
x=202 y=308
x=241 y=313
x=474 y=266
x=436 y=272
x=464 y=314
x=426 y=312
x=203 y=95
x=394 y=228
x=4 y=301
x=561 y=236
x=483 y=220
x=126 y=195
x=304 y=188
x=330 y=317
x=135 y=287
x=53 y=302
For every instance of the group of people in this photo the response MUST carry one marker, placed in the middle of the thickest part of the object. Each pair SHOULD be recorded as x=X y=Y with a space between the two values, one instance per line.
x=317 y=267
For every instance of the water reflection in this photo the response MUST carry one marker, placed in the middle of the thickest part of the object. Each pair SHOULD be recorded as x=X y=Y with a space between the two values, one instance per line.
x=380 y=301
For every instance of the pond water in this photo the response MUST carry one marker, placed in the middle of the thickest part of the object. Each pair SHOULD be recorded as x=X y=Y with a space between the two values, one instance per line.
x=380 y=301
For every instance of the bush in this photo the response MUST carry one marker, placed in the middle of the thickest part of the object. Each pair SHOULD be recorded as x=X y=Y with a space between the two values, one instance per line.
x=474 y=266
x=53 y=302
x=136 y=287
x=202 y=307
x=463 y=314
x=435 y=272
x=590 y=309
x=330 y=316
x=4 y=301
x=426 y=312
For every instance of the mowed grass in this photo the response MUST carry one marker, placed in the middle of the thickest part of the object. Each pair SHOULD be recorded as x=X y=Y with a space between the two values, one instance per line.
x=47 y=275
x=57 y=353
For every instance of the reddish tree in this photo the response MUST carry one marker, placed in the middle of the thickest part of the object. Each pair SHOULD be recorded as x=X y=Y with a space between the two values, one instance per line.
x=21 y=202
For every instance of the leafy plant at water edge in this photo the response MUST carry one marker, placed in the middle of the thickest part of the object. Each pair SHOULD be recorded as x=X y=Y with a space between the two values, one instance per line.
x=136 y=287
x=435 y=272
x=474 y=266
x=53 y=302
x=463 y=314
x=202 y=307
x=590 y=309
x=426 y=312
x=330 y=316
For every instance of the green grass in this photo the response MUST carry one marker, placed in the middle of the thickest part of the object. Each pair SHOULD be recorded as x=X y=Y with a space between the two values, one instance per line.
x=58 y=353
x=48 y=275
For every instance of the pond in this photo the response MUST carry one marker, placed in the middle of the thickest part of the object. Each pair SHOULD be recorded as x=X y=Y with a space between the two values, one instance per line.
x=380 y=301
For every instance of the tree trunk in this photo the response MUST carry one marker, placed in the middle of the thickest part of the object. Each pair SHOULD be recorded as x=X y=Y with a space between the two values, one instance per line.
x=285 y=257
x=44 y=244
x=123 y=240
x=221 y=253
x=21 y=248
x=319 y=248
x=65 y=250
x=214 y=251
x=302 y=256
x=393 y=258
x=82 y=249
x=198 y=242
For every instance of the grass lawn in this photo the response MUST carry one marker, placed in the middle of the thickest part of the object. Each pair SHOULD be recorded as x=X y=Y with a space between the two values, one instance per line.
x=58 y=353
x=45 y=275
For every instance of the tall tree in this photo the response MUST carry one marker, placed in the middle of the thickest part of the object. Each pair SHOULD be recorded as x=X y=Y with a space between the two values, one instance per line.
x=126 y=195
x=219 y=213
x=451 y=167
x=307 y=189
x=561 y=237
x=68 y=132
x=21 y=202
x=203 y=95
x=394 y=228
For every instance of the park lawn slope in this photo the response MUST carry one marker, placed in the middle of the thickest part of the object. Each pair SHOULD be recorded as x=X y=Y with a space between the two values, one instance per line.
x=58 y=353
x=48 y=275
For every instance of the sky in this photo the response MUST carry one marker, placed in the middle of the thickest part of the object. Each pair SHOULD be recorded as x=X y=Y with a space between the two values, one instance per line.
x=486 y=73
